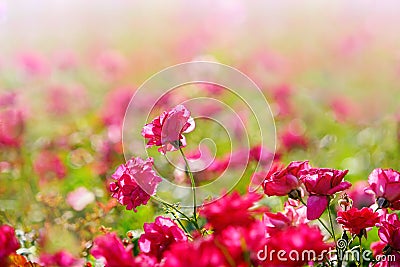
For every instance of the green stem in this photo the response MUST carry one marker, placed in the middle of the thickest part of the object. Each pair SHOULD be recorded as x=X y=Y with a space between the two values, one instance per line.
x=361 y=258
x=319 y=219
x=181 y=224
x=193 y=184
x=196 y=225
x=331 y=222
x=333 y=233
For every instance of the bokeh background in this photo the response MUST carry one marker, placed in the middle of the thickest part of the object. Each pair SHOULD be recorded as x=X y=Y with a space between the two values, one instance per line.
x=330 y=71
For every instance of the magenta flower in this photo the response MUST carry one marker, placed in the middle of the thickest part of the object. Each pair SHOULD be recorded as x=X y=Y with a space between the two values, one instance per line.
x=231 y=210
x=166 y=131
x=60 y=259
x=8 y=243
x=48 y=166
x=385 y=185
x=321 y=184
x=110 y=248
x=359 y=196
x=282 y=182
x=389 y=233
x=202 y=252
x=159 y=236
x=12 y=124
x=300 y=238
x=241 y=244
x=135 y=182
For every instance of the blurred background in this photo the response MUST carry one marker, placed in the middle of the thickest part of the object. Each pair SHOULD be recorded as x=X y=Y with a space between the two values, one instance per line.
x=330 y=71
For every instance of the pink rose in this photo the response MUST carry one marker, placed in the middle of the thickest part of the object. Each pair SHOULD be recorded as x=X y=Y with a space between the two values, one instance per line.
x=80 y=198
x=60 y=259
x=320 y=184
x=135 y=182
x=282 y=182
x=385 y=185
x=159 y=236
x=166 y=131
x=110 y=248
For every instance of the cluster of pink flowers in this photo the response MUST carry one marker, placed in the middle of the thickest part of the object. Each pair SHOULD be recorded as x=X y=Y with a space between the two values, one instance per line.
x=236 y=229
x=319 y=183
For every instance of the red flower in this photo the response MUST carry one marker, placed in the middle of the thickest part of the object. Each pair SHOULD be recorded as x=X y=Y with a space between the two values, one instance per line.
x=355 y=220
x=159 y=236
x=8 y=243
x=167 y=129
x=241 y=244
x=292 y=137
x=230 y=210
x=385 y=185
x=322 y=183
x=110 y=248
x=202 y=252
x=135 y=182
x=294 y=241
x=60 y=259
x=282 y=182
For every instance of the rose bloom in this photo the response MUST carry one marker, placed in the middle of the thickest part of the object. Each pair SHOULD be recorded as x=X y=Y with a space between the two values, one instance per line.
x=166 y=131
x=321 y=184
x=282 y=182
x=360 y=198
x=230 y=210
x=280 y=221
x=8 y=243
x=241 y=243
x=110 y=248
x=12 y=124
x=378 y=249
x=202 y=252
x=385 y=185
x=135 y=182
x=159 y=236
x=80 y=198
x=60 y=259
x=355 y=220
x=48 y=166
x=114 y=108
x=291 y=140
x=389 y=233
x=294 y=241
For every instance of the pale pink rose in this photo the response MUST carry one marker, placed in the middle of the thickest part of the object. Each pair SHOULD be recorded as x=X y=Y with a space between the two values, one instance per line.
x=80 y=198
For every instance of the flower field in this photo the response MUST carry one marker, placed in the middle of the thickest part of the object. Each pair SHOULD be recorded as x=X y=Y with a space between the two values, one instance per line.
x=199 y=133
